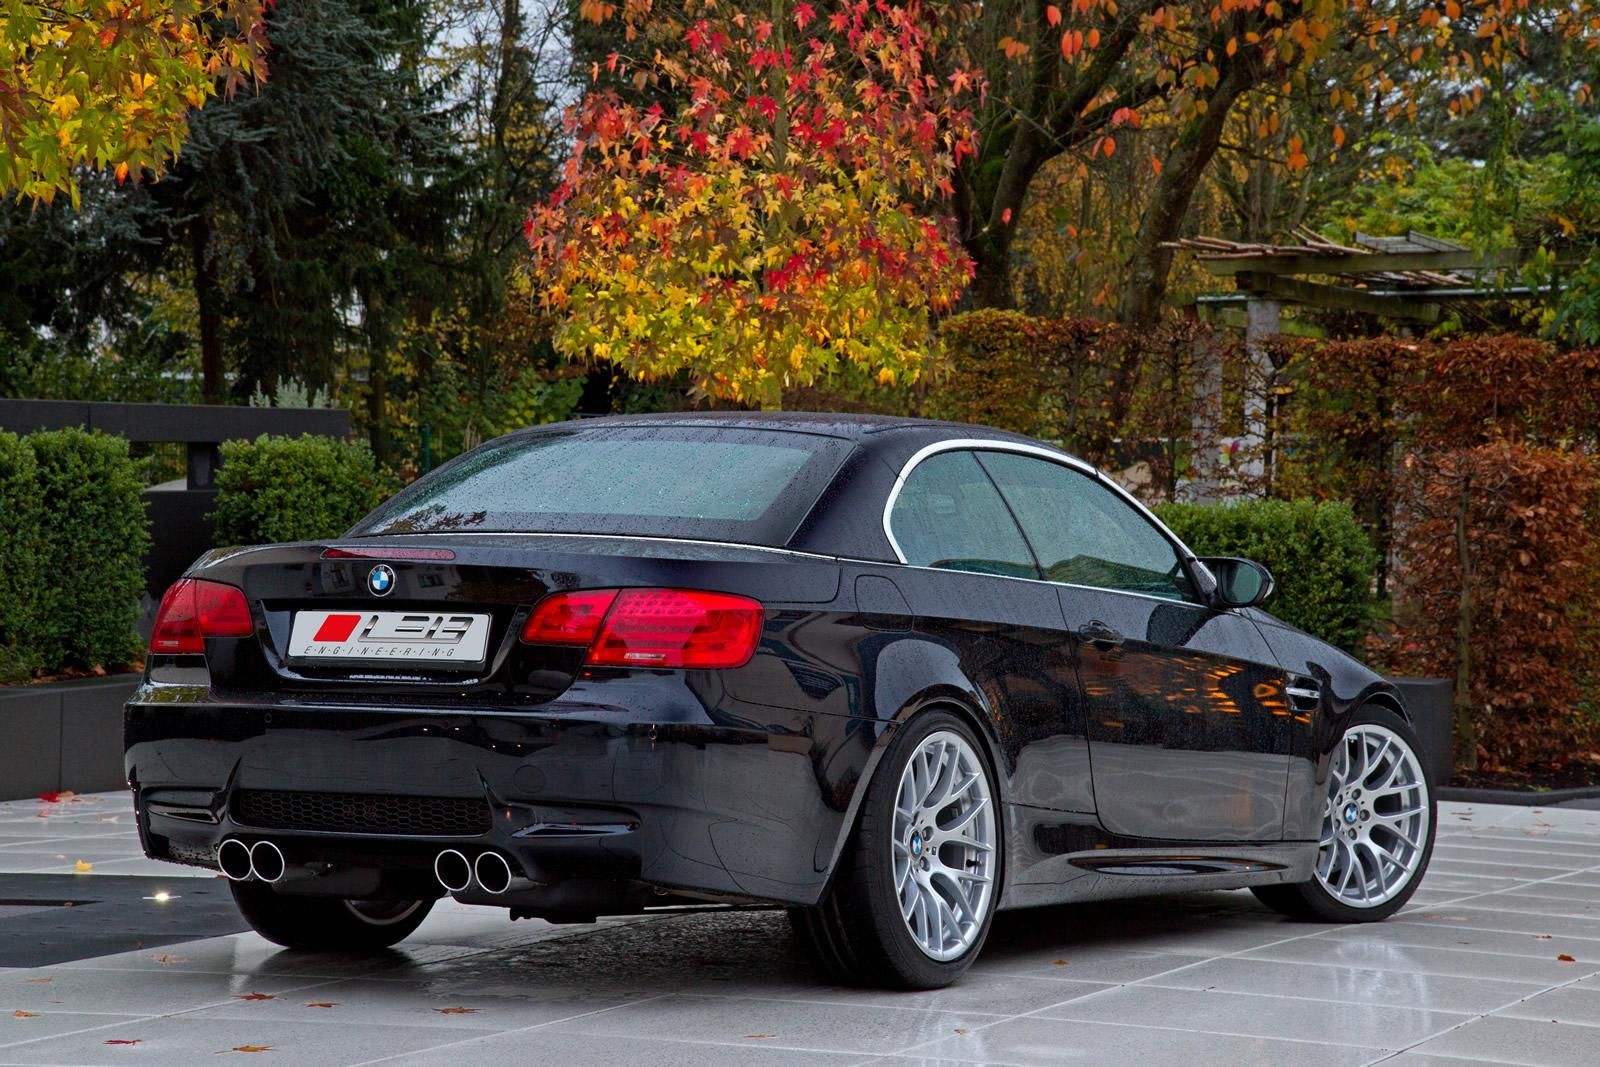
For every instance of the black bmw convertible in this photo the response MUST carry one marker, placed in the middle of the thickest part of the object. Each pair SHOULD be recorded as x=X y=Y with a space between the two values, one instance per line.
x=893 y=675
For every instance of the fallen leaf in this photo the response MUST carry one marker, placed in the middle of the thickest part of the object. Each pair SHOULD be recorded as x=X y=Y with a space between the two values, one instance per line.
x=1541 y=937
x=322 y=1003
x=959 y=1030
x=1564 y=958
x=166 y=960
x=755 y=1036
x=41 y=979
x=254 y=996
x=125 y=1041
x=1059 y=963
x=246 y=1048
x=20 y=1014
x=83 y=867
x=456 y=1011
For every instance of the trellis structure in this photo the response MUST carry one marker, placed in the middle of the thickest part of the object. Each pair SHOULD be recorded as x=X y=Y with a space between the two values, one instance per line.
x=1408 y=279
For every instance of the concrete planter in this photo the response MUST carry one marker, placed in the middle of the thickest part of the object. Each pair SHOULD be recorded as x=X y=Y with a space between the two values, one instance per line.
x=63 y=735
x=1429 y=702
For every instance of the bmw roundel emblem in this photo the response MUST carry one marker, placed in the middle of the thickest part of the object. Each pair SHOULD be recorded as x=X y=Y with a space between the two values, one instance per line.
x=381 y=580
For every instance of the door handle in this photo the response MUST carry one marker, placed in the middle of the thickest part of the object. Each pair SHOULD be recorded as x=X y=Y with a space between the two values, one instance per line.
x=1100 y=634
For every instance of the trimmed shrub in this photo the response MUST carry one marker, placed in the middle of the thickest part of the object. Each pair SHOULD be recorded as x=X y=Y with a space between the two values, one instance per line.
x=1317 y=553
x=91 y=509
x=1497 y=565
x=20 y=563
x=293 y=489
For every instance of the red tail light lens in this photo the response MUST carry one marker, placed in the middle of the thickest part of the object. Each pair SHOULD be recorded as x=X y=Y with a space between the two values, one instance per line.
x=195 y=609
x=568 y=618
x=669 y=628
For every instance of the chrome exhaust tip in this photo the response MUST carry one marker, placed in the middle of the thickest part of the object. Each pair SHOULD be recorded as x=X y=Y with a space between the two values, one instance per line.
x=266 y=862
x=233 y=857
x=453 y=870
x=493 y=872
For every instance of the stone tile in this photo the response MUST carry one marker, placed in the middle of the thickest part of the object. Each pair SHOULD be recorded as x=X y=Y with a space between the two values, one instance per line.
x=47 y=989
x=185 y=1039
x=1481 y=914
x=1462 y=963
x=995 y=994
x=1350 y=985
x=580 y=1050
x=1501 y=860
x=857 y=1029
x=19 y=1032
x=1569 y=1004
x=1417 y=1059
x=1249 y=1015
x=1464 y=937
x=1521 y=1041
x=424 y=1004
x=1051 y=1042
x=1539 y=905
x=249 y=955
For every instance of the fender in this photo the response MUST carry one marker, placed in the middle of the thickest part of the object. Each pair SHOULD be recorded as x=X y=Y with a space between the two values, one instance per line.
x=897 y=699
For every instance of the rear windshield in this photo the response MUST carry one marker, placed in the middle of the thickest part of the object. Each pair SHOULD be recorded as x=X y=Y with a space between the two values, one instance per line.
x=704 y=483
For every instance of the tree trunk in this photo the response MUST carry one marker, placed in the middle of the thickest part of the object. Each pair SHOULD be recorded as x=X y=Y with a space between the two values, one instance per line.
x=213 y=379
x=1145 y=290
x=991 y=279
x=1463 y=711
x=377 y=405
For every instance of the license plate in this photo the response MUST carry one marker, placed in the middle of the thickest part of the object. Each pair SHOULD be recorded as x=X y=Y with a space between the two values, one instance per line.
x=412 y=636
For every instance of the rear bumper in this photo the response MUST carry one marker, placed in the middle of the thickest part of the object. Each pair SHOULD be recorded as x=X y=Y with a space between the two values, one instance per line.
x=739 y=803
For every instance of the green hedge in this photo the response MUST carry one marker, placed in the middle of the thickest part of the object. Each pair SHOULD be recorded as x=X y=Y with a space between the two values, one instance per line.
x=20 y=562
x=92 y=544
x=1317 y=552
x=293 y=489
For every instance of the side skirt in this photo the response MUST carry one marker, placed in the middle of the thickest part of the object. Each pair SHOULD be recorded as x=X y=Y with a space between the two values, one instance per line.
x=1110 y=873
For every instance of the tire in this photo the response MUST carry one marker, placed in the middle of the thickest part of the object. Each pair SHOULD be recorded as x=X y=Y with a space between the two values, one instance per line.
x=900 y=913
x=327 y=924
x=1377 y=829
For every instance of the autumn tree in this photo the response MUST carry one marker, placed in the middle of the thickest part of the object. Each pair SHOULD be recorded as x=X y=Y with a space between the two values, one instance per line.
x=1076 y=78
x=777 y=215
x=111 y=83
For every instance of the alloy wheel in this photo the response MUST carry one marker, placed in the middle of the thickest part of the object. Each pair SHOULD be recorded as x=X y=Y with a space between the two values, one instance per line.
x=944 y=845
x=1375 y=825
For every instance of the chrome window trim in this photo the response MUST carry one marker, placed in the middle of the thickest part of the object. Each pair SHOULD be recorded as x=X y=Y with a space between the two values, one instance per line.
x=979 y=444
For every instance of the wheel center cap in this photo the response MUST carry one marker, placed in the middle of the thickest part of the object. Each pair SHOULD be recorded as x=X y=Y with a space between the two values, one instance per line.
x=1351 y=812
x=916 y=844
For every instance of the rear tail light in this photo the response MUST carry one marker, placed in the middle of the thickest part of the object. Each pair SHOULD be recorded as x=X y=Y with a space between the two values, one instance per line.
x=677 y=628
x=195 y=609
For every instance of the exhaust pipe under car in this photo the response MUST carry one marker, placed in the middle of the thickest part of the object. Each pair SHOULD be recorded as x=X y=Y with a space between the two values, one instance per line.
x=453 y=870
x=266 y=862
x=233 y=857
x=493 y=872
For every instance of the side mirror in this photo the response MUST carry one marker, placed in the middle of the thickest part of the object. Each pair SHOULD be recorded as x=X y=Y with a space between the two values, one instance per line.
x=1240 y=583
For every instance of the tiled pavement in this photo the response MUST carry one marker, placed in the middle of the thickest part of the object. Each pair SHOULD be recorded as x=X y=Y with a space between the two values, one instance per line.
x=1474 y=971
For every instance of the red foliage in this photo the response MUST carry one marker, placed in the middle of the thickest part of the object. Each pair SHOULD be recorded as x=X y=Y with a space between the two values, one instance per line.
x=1497 y=561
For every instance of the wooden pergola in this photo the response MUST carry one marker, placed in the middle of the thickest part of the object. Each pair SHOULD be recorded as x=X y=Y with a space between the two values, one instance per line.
x=1408 y=279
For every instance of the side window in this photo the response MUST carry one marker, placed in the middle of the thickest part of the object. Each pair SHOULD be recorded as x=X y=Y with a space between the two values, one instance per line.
x=949 y=515
x=1084 y=533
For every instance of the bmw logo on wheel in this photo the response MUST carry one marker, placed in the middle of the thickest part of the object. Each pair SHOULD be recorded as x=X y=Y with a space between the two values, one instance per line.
x=381 y=579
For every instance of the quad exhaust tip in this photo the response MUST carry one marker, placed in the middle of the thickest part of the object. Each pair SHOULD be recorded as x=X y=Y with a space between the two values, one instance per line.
x=266 y=862
x=453 y=870
x=493 y=873
x=233 y=857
